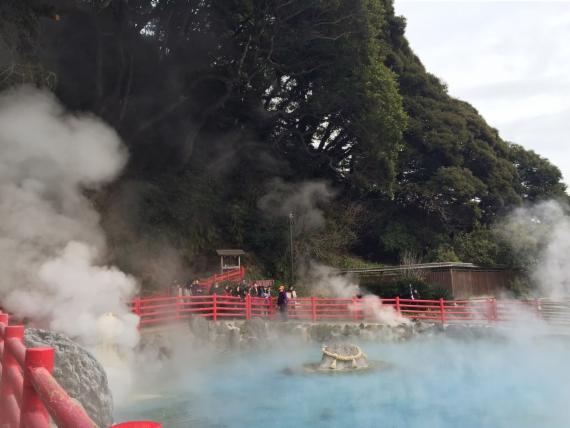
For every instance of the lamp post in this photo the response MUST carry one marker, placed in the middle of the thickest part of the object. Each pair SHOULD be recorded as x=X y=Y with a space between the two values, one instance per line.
x=291 y=221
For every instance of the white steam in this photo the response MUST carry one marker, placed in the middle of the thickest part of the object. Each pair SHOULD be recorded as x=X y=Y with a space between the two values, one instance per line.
x=540 y=238
x=301 y=199
x=51 y=244
x=325 y=281
x=304 y=200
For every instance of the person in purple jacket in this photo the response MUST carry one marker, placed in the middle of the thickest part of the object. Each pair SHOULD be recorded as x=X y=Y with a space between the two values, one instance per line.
x=282 y=303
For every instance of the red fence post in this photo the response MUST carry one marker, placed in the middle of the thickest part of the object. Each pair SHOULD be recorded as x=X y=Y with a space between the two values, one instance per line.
x=271 y=309
x=313 y=309
x=442 y=310
x=7 y=415
x=4 y=319
x=215 y=307
x=247 y=306
x=32 y=405
x=398 y=308
x=488 y=310
x=137 y=306
x=178 y=306
x=537 y=308
x=354 y=309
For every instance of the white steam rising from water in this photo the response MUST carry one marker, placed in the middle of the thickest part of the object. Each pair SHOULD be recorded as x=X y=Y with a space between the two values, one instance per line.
x=323 y=280
x=540 y=237
x=51 y=245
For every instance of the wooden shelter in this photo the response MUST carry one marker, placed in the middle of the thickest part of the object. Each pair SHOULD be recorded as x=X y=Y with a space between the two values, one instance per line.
x=230 y=259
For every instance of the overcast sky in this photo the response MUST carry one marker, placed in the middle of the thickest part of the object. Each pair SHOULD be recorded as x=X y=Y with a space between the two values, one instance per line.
x=509 y=59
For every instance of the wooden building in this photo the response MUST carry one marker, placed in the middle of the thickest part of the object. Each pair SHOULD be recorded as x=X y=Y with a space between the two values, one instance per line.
x=230 y=259
x=462 y=280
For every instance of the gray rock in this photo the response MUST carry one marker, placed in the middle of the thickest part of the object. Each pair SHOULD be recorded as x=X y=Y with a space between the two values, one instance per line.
x=78 y=372
x=201 y=328
x=256 y=329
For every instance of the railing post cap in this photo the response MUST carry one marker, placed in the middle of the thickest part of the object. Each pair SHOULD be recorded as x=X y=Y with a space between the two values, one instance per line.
x=40 y=357
x=16 y=331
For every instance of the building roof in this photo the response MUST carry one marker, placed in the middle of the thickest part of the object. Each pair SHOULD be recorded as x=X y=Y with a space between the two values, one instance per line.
x=230 y=252
x=419 y=266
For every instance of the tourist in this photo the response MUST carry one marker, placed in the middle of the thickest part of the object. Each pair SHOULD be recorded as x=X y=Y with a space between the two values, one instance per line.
x=215 y=288
x=282 y=303
x=188 y=289
x=291 y=299
x=242 y=291
x=198 y=290
x=291 y=294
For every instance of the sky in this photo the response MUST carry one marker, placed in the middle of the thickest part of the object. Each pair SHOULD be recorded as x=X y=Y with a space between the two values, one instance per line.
x=509 y=59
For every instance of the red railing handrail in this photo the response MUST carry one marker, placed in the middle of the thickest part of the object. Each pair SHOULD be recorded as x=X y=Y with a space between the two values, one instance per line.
x=29 y=394
x=314 y=308
x=237 y=274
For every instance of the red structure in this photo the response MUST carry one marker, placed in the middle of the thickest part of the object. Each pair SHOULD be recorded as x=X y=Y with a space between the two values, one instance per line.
x=30 y=397
x=160 y=310
x=234 y=275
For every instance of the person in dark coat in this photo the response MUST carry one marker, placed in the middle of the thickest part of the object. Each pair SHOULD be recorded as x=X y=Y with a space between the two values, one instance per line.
x=216 y=289
x=282 y=302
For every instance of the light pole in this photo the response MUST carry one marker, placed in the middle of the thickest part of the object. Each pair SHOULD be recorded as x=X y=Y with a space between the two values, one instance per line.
x=291 y=221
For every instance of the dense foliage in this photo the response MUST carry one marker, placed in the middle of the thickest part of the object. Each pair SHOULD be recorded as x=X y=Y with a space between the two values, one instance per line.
x=216 y=99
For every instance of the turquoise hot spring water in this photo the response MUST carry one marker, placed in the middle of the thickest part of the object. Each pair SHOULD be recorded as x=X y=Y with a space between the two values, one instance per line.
x=433 y=382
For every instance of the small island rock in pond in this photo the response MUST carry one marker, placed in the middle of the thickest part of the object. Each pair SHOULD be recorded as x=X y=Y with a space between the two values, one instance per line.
x=342 y=357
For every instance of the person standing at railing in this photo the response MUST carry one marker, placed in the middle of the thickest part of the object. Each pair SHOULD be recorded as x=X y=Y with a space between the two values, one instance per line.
x=188 y=288
x=282 y=301
x=239 y=292
x=291 y=296
x=215 y=289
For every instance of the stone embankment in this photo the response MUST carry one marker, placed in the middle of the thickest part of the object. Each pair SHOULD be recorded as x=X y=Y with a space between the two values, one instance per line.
x=238 y=334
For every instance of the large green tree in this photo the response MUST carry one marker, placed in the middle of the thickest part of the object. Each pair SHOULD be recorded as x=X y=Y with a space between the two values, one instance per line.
x=215 y=99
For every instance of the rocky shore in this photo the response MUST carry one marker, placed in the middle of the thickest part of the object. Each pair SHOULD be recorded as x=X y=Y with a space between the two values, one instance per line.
x=241 y=334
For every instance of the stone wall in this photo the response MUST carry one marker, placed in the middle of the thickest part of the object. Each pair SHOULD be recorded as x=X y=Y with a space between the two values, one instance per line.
x=243 y=334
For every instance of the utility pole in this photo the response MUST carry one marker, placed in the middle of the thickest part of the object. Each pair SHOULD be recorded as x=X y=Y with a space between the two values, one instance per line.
x=291 y=222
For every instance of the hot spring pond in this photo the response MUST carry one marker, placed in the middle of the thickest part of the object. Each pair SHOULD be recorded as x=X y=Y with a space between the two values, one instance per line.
x=434 y=382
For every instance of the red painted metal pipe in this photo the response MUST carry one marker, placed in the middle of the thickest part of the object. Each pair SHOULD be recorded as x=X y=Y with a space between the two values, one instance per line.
x=34 y=413
x=9 y=403
x=15 y=344
x=10 y=411
x=66 y=412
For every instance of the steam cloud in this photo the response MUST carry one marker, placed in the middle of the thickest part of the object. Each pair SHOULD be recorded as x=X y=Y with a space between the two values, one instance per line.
x=51 y=245
x=540 y=237
x=303 y=200
x=300 y=199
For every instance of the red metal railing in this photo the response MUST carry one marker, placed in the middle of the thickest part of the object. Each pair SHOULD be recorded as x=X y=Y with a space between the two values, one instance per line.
x=234 y=275
x=157 y=310
x=30 y=397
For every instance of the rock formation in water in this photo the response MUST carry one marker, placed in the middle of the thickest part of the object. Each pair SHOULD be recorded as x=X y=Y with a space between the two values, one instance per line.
x=78 y=372
x=343 y=357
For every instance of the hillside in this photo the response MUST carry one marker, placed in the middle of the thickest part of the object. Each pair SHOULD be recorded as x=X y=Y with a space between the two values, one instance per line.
x=237 y=113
